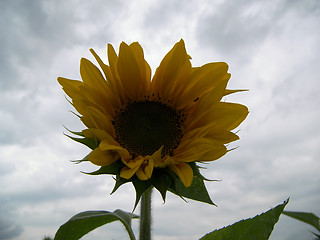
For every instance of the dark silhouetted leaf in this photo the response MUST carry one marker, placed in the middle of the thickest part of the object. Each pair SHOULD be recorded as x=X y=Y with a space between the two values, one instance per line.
x=305 y=217
x=257 y=228
x=82 y=223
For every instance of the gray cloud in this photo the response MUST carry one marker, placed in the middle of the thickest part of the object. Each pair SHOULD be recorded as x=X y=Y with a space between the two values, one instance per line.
x=9 y=229
x=37 y=32
x=271 y=50
x=234 y=27
x=239 y=30
x=163 y=13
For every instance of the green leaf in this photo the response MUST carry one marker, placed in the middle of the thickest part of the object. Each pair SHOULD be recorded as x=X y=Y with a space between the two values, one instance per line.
x=84 y=222
x=257 y=228
x=305 y=217
x=197 y=191
x=317 y=235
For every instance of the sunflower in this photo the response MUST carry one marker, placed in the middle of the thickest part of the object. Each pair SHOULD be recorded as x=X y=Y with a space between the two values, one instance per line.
x=147 y=126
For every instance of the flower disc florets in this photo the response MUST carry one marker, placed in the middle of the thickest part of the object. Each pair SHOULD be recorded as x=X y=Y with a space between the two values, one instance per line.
x=143 y=127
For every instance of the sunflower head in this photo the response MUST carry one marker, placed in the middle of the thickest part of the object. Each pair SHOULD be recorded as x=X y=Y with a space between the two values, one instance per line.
x=154 y=131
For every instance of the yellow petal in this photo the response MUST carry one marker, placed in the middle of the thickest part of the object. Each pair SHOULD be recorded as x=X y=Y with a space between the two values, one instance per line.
x=184 y=172
x=199 y=149
x=212 y=131
x=97 y=98
x=175 y=66
x=100 y=120
x=113 y=61
x=228 y=115
x=81 y=105
x=164 y=162
x=91 y=75
x=129 y=69
x=102 y=158
x=229 y=91
x=144 y=67
x=141 y=175
x=111 y=145
x=214 y=95
x=100 y=135
x=222 y=136
x=156 y=156
x=111 y=79
x=225 y=115
x=98 y=59
x=205 y=102
x=202 y=80
x=149 y=168
x=127 y=172
x=146 y=169
x=132 y=166
x=70 y=87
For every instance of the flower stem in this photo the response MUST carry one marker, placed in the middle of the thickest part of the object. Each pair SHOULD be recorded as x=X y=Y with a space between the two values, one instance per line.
x=145 y=215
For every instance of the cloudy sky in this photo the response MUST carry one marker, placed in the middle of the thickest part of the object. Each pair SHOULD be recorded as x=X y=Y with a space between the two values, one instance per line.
x=272 y=48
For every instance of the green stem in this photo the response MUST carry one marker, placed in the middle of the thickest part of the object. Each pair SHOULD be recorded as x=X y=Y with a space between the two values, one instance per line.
x=145 y=215
x=130 y=232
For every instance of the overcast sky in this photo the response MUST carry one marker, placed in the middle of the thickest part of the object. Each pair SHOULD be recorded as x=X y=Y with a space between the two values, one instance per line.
x=272 y=48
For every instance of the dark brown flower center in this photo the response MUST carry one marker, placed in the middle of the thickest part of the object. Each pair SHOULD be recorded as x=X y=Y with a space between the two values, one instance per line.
x=143 y=127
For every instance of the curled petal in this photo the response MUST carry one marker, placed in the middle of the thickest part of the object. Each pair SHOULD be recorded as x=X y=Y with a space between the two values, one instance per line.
x=106 y=145
x=131 y=167
x=183 y=170
x=102 y=158
x=156 y=157
x=146 y=169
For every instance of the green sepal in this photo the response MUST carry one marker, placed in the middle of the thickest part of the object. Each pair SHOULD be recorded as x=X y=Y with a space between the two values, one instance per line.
x=197 y=173
x=161 y=180
x=140 y=187
x=85 y=159
x=113 y=168
x=196 y=191
x=84 y=222
x=75 y=133
x=257 y=228
x=119 y=181
x=89 y=142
